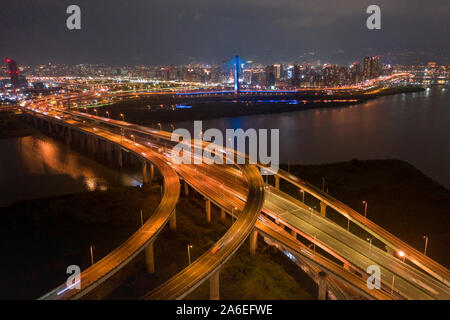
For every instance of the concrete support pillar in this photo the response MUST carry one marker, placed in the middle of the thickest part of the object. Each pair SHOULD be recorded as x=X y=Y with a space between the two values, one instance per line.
x=149 y=258
x=144 y=172
x=322 y=283
x=68 y=136
x=208 y=210
x=88 y=144
x=152 y=172
x=277 y=182
x=91 y=146
x=293 y=233
x=119 y=156
x=50 y=130
x=109 y=155
x=101 y=147
x=222 y=215
x=253 y=242
x=95 y=144
x=214 y=291
x=131 y=159
x=173 y=221
x=323 y=209
x=186 y=189
x=82 y=139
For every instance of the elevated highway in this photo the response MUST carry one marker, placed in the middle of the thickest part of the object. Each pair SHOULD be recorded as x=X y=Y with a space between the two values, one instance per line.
x=212 y=260
x=115 y=260
x=349 y=249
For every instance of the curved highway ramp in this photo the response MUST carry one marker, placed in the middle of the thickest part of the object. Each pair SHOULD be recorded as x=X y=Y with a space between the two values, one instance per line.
x=114 y=261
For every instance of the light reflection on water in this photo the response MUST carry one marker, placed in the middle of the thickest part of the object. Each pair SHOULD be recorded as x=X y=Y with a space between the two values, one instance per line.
x=38 y=166
x=412 y=127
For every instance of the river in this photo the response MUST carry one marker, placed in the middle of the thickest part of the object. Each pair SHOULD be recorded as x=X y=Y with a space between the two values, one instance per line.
x=414 y=127
x=39 y=166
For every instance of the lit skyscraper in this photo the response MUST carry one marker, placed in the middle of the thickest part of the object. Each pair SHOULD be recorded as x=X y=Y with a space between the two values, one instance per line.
x=13 y=72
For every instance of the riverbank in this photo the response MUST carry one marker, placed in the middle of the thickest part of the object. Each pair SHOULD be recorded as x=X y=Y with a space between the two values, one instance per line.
x=11 y=126
x=150 y=111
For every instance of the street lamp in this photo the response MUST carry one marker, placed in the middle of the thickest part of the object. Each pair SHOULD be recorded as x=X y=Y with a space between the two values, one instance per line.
x=370 y=244
x=189 y=247
x=303 y=195
x=426 y=245
x=232 y=214
x=123 y=117
x=159 y=124
x=365 y=208
x=402 y=255
x=392 y=285
x=133 y=137
x=91 y=248
x=107 y=113
x=96 y=112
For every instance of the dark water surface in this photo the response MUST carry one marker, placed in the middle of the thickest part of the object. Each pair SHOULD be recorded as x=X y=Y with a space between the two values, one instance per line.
x=39 y=166
x=414 y=127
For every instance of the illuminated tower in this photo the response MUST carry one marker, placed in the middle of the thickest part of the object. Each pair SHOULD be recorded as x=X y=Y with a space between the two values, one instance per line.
x=13 y=72
x=236 y=74
x=366 y=68
x=374 y=67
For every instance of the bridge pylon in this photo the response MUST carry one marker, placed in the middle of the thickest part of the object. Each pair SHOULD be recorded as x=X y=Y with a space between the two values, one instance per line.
x=236 y=75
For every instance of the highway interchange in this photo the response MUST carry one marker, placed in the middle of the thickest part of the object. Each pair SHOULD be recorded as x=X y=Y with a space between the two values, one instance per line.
x=242 y=188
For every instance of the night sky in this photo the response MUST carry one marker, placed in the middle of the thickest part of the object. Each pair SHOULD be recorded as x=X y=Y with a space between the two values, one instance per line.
x=183 y=31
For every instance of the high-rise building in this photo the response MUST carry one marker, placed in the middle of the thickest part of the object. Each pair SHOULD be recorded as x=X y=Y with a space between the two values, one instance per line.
x=295 y=80
x=371 y=67
x=278 y=71
x=355 y=72
x=172 y=70
x=270 y=76
x=13 y=72
x=366 y=68
x=375 y=67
